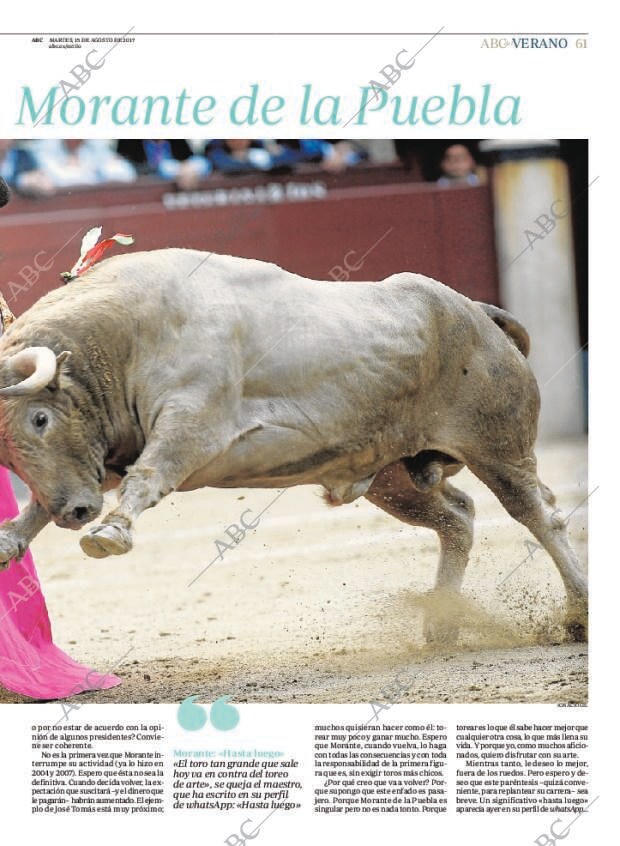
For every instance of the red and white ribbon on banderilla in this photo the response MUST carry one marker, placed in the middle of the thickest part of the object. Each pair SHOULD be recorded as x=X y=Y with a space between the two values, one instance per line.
x=92 y=249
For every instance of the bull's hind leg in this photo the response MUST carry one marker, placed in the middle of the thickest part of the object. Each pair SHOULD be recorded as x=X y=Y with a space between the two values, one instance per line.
x=447 y=511
x=529 y=501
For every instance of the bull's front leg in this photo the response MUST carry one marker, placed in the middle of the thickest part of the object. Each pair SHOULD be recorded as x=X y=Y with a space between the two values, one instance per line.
x=143 y=487
x=17 y=534
x=163 y=465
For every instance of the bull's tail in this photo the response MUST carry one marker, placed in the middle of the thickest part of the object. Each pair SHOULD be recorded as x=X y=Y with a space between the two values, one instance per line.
x=510 y=325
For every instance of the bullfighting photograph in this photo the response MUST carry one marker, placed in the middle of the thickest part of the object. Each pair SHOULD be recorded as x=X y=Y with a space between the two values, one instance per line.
x=283 y=420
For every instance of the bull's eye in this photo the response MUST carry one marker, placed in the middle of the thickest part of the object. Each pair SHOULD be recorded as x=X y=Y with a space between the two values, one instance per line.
x=40 y=420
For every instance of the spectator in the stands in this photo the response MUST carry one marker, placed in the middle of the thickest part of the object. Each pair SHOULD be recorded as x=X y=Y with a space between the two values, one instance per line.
x=380 y=151
x=76 y=162
x=18 y=168
x=333 y=156
x=341 y=155
x=458 y=167
x=244 y=155
x=172 y=160
x=281 y=156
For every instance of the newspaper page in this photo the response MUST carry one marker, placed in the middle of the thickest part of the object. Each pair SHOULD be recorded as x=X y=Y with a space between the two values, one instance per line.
x=316 y=409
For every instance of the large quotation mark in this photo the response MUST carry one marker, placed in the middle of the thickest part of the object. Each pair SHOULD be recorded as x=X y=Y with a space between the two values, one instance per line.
x=224 y=717
x=190 y=716
x=193 y=717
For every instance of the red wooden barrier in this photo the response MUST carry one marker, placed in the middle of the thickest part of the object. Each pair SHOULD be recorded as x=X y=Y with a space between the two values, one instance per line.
x=311 y=223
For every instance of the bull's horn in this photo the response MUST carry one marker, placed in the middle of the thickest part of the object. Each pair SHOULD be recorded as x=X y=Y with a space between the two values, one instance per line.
x=39 y=362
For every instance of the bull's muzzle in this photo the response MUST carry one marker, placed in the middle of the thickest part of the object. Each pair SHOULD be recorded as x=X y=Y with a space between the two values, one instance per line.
x=79 y=510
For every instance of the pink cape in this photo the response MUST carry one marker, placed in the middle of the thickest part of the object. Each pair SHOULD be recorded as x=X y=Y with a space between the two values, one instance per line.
x=30 y=663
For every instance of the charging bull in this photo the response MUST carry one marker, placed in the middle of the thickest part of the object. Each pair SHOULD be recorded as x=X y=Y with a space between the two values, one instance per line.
x=174 y=369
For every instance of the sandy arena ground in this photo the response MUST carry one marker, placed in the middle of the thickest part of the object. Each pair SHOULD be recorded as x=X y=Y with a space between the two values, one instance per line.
x=317 y=604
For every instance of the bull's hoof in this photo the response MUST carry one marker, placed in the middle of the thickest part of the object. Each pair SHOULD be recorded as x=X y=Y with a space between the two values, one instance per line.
x=576 y=631
x=10 y=548
x=101 y=541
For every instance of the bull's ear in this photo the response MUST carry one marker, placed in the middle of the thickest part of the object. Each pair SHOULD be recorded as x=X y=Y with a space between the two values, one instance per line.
x=61 y=358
